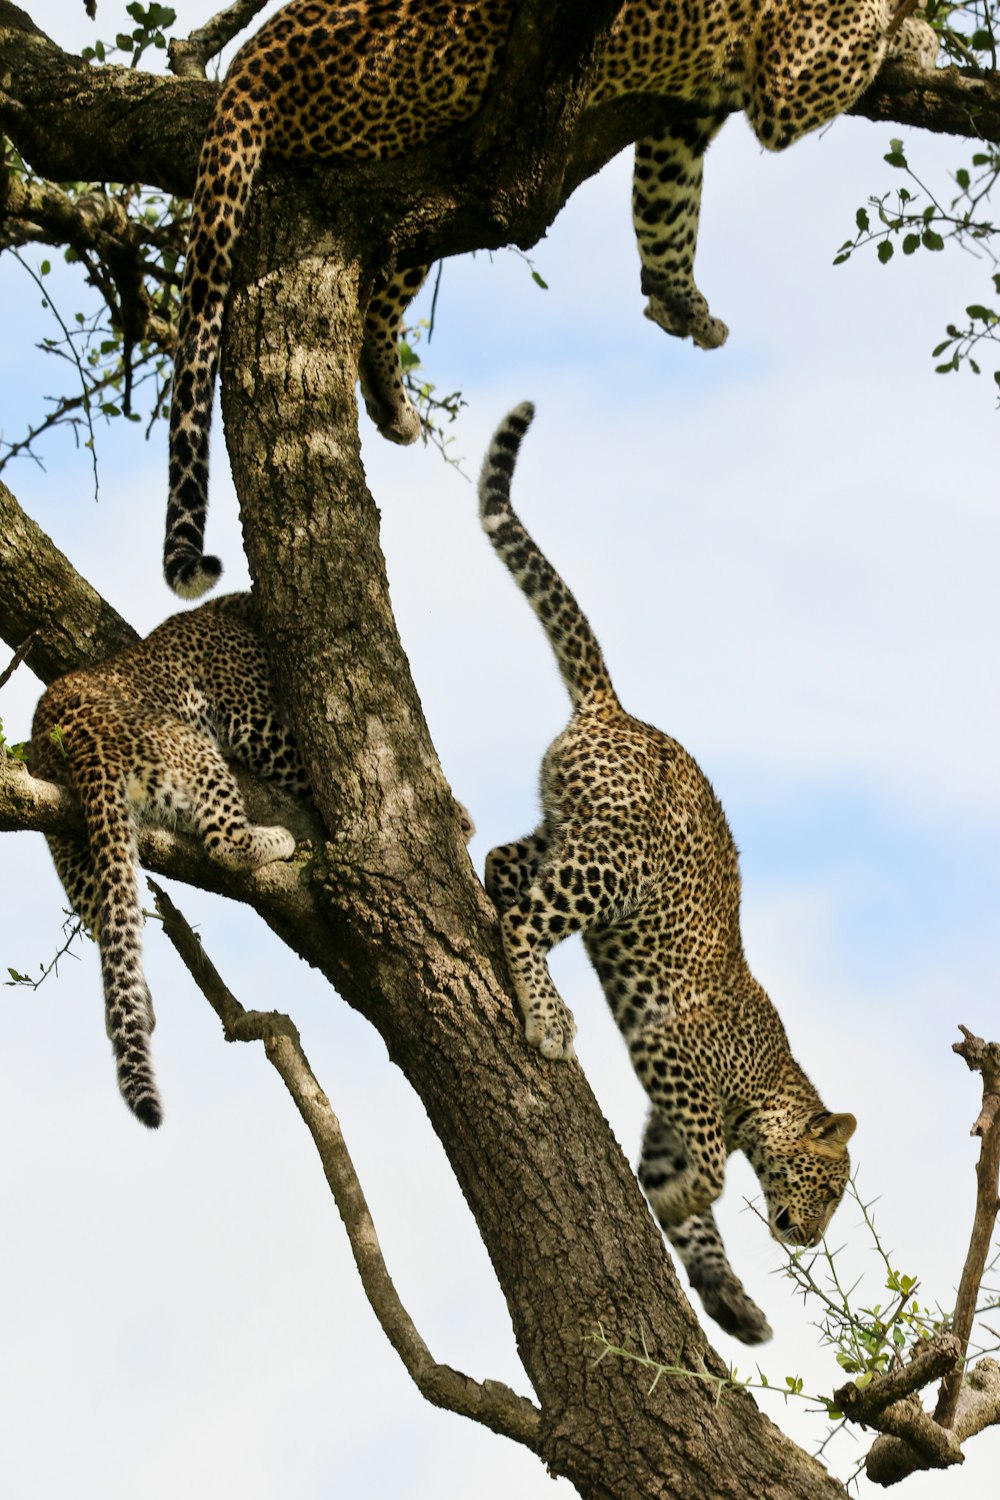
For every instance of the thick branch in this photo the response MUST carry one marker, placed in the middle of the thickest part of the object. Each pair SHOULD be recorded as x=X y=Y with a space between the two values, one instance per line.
x=41 y=591
x=892 y=1460
x=30 y=805
x=953 y=101
x=500 y=178
x=492 y=1403
x=866 y=1405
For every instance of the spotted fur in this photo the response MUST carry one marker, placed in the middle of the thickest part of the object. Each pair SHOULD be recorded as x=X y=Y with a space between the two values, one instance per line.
x=372 y=79
x=148 y=734
x=634 y=851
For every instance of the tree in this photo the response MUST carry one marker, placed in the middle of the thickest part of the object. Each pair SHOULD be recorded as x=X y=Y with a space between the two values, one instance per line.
x=391 y=914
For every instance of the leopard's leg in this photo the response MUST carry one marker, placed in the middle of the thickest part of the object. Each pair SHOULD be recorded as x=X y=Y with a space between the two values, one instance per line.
x=511 y=868
x=666 y=203
x=697 y=1240
x=673 y=1062
x=198 y=785
x=575 y=885
x=917 y=42
x=379 y=369
x=256 y=737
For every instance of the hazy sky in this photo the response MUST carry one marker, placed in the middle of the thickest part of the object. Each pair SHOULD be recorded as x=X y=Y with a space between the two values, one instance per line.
x=788 y=548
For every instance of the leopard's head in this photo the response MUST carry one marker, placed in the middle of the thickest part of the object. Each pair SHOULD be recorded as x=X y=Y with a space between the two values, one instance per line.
x=804 y=1178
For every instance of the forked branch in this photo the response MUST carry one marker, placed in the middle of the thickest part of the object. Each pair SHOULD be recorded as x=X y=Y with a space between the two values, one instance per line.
x=969 y=1400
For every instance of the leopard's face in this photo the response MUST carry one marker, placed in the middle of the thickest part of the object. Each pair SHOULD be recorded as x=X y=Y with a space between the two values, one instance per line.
x=804 y=1180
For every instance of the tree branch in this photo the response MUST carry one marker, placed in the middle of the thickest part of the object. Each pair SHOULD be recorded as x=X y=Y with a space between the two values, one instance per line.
x=492 y=1403
x=188 y=55
x=968 y=1400
x=981 y=1057
x=72 y=122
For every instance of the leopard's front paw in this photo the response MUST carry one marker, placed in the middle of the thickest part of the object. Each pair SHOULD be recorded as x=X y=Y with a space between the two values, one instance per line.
x=687 y=320
x=386 y=402
x=551 y=1028
x=725 y=1299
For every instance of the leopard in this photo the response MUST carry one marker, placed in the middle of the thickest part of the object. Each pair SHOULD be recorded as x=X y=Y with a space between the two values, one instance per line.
x=634 y=851
x=148 y=736
x=371 y=80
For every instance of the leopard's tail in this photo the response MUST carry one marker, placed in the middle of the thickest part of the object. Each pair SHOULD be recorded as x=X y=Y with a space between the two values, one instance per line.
x=224 y=180
x=580 y=658
x=118 y=928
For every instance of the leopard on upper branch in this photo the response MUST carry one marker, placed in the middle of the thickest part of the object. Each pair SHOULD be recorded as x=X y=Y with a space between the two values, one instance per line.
x=147 y=734
x=373 y=79
x=634 y=851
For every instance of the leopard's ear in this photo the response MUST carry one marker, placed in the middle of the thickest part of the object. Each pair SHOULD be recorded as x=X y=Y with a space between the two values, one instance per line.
x=830 y=1134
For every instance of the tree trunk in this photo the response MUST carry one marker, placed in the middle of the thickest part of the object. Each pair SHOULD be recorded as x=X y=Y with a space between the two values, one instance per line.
x=410 y=939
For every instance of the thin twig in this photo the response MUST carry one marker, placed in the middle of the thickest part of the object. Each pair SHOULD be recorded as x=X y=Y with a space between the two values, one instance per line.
x=188 y=55
x=18 y=658
x=493 y=1404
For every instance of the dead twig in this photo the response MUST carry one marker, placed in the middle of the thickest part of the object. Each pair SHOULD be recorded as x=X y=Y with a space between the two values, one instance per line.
x=490 y=1402
x=981 y=1057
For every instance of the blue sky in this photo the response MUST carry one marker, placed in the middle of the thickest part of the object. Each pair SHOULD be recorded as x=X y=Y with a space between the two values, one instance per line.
x=788 y=548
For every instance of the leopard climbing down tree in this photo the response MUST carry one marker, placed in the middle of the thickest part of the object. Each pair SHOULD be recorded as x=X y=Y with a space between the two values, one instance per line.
x=147 y=735
x=364 y=80
x=634 y=852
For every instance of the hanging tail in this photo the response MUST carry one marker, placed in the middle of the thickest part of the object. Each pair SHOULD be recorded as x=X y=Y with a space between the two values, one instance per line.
x=225 y=174
x=117 y=925
x=580 y=658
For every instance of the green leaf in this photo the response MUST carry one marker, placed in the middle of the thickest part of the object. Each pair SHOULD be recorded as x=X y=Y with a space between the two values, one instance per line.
x=885 y=251
x=894 y=156
x=996 y=376
x=861 y=219
x=538 y=280
x=911 y=242
x=962 y=178
x=45 y=268
x=931 y=240
x=407 y=358
x=983 y=314
x=123 y=41
x=838 y=260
